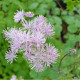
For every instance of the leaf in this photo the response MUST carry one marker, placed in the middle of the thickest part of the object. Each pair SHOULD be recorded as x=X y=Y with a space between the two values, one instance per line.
x=39 y=1
x=48 y=1
x=44 y=6
x=57 y=20
x=46 y=73
x=51 y=20
x=64 y=12
x=69 y=19
x=72 y=28
x=4 y=7
x=1 y=14
x=77 y=23
x=33 y=6
x=67 y=35
x=40 y=11
x=70 y=5
x=53 y=4
x=58 y=29
x=56 y=11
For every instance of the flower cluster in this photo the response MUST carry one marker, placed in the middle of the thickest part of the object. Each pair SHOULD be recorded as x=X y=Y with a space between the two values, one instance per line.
x=32 y=40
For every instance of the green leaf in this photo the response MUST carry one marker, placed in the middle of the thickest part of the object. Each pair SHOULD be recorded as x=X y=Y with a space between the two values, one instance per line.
x=77 y=23
x=46 y=73
x=48 y=1
x=44 y=6
x=53 y=4
x=1 y=14
x=70 y=5
x=33 y=6
x=64 y=12
x=57 y=20
x=58 y=29
x=72 y=28
x=70 y=19
x=56 y=11
x=67 y=35
x=51 y=20
x=41 y=11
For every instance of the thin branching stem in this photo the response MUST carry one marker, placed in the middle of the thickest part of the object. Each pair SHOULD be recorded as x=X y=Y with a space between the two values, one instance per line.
x=59 y=4
x=59 y=68
x=55 y=70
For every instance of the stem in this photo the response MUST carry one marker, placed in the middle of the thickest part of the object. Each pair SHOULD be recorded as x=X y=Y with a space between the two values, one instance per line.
x=59 y=68
x=61 y=61
x=54 y=70
x=59 y=5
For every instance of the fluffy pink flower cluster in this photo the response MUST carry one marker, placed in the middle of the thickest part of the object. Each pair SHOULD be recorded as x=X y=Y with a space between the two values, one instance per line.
x=32 y=40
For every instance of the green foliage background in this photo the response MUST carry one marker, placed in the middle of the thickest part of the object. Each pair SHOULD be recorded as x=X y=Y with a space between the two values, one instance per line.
x=66 y=24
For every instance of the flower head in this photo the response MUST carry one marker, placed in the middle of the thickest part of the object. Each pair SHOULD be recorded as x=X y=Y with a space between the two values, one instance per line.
x=13 y=77
x=38 y=37
x=19 y=15
x=10 y=56
x=29 y=14
x=32 y=41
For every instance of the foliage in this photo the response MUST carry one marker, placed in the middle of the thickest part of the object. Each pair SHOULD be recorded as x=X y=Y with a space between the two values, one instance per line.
x=67 y=35
x=71 y=4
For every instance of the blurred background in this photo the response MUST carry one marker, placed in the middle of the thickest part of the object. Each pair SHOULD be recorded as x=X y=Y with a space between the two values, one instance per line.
x=64 y=15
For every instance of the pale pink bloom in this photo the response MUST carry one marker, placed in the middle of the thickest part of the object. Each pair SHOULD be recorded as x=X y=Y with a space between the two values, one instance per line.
x=32 y=40
x=41 y=19
x=29 y=56
x=16 y=35
x=19 y=15
x=17 y=44
x=10 y=56
x=13 y=77
x=43 y=58
x=38 y=37
x=26 y=25
x=49 y=49
x=38 y=66
x=74 y=51
x=39 y=24
x=48 y=30
x=29 y=14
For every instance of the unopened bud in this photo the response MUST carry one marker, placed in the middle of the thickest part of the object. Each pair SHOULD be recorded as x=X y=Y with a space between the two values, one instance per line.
x=69 y=49
x=74 y=51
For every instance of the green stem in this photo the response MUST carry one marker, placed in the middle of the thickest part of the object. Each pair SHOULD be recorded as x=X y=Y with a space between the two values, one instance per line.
x=59 y=4
x=59 y=68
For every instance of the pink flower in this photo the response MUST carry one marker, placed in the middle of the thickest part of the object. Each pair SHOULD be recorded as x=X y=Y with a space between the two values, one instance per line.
x=38 y=37
x=32 y=41
x=48 y=30
x=29 y=14
x=29 y=56
x=10 y=56
x=13 y=77
x=41 y=19
x=19 y=15
x=15 y=35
